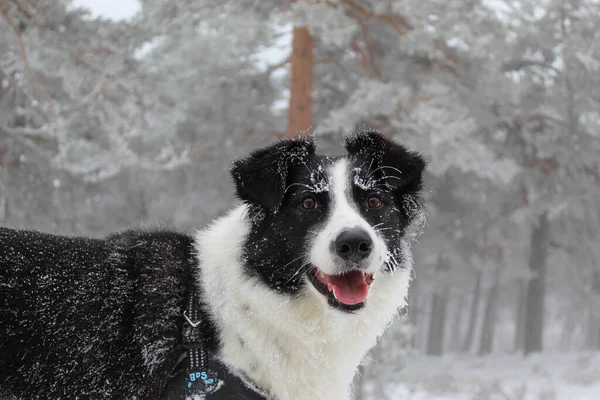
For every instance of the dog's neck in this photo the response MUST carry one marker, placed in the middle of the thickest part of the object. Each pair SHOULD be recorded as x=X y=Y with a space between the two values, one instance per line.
x=293 y=347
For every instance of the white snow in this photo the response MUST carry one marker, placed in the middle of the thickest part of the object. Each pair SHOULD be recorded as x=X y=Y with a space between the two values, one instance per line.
x=278 y=51
x=111 y=9
x=570 y=376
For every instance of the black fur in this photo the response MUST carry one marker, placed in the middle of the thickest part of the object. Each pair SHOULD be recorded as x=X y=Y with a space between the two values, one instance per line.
x=275 y=179
x=385 y=164
x=261 y=179
x=91 y=319
x=101 y=318
x=280 y=226
x=395 y=174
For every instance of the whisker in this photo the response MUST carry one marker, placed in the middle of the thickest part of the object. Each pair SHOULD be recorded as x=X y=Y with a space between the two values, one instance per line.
x=298 y=271
x=294 y=260
x=296 y=184
x=310 y=171
x=368 y=173
x=388 y=177
x=384 y=167
x=370 y=166
x=388 y=167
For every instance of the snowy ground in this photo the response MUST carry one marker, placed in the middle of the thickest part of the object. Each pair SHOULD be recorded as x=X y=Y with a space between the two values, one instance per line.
x=498 y=377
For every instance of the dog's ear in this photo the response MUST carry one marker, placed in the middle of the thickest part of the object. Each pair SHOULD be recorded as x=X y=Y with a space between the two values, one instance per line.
x=261 y=179
x=388 y=164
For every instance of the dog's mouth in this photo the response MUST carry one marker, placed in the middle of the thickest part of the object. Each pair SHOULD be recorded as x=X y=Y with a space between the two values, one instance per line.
x=347 y=291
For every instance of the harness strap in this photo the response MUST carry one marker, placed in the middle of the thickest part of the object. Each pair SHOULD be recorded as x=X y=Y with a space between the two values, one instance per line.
x=200 y=375
x=193 y=326
x=198 y=372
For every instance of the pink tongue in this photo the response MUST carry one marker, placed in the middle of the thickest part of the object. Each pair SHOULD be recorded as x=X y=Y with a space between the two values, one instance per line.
x=350 y=288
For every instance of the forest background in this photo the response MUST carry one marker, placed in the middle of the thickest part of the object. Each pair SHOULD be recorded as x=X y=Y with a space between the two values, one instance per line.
x=127 y=114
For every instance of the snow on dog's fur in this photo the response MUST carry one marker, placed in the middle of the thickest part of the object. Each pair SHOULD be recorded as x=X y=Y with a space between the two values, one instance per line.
x=296 y=285
x=269 y=267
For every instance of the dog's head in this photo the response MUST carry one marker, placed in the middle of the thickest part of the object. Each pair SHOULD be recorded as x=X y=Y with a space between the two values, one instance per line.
x=329 y=226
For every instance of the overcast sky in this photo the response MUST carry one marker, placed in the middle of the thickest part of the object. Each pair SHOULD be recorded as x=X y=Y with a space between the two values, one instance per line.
x=114 y=9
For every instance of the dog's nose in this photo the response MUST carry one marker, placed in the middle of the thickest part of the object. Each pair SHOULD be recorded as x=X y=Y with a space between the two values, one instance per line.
x=353 y=244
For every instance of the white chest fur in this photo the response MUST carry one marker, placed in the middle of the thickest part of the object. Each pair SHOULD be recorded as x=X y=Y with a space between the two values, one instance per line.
x=293 y=347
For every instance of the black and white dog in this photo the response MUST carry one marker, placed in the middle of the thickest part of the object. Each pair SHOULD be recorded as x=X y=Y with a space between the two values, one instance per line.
x=293 y=287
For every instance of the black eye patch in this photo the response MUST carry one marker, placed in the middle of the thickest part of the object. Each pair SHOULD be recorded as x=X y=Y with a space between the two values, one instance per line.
x=262 y=178
x=381 y=164
x=380 y=179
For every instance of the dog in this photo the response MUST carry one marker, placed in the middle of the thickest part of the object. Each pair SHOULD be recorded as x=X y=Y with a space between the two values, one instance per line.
x=281 y=298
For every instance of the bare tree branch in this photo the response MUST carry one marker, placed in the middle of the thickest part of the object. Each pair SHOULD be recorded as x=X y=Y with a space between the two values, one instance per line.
x=370 y=54
x=30 y=72
x=398 y=22
x=38 y=134
x=25 y=141
x=517 y=65
x=401 y=25
x=332 y=60
x=279 y=65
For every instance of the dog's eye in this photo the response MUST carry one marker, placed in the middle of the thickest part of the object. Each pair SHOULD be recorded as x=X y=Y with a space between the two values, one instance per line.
x=308 y=203
x=374 y=201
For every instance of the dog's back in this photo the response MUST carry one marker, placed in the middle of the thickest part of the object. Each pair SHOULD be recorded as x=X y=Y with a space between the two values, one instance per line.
x=72 y=321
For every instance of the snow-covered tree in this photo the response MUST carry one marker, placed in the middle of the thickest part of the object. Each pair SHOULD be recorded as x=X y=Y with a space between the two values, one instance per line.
x=106 y=124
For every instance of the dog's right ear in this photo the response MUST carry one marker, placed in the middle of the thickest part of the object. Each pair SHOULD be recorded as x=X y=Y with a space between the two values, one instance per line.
x=261 y=179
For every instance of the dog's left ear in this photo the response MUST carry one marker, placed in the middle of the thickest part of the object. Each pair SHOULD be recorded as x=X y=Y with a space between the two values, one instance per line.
x=388 y=164
x=261 y=179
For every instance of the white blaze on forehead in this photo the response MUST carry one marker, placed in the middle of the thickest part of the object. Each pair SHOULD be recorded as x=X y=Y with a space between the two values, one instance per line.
x=341 y=203
x=344 y=214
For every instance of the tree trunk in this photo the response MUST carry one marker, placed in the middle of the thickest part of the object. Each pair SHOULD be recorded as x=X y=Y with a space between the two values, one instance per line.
x=300 y=110
x=435 y=339
x=520 y=318
x=454 y=344
x=436 y=326
x=413 y=310
x=2 y=204
x=569 y=325
x=534 y=308
x=489 y=317
x=3 y=155
x=594 y=320
x=467 y=343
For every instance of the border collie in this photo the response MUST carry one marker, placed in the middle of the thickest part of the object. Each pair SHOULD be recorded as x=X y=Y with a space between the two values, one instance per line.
x=293 y=287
